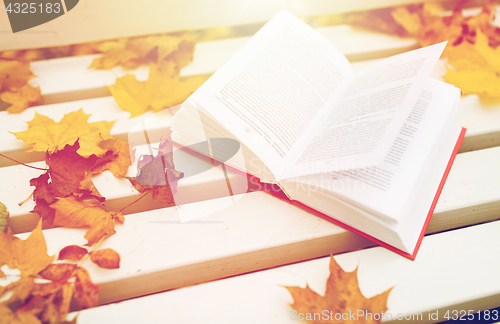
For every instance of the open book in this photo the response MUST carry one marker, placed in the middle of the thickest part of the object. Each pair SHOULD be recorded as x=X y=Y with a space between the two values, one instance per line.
x=370 y=150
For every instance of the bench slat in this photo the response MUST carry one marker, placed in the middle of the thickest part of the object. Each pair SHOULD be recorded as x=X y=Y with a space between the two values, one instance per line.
x=455 y=270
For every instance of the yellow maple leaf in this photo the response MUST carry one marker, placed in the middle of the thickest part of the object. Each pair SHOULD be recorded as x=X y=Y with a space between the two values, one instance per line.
x=22 y=98
x=164 y=88
x=29 y=256
x=342 y=296
x=44 y=134
x=74 y=213
x=475 y=68
x=408 y=20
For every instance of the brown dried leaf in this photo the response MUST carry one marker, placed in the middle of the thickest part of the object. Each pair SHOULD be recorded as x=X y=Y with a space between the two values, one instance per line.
x=106 y=258
x=342 y=296
x=72 y=253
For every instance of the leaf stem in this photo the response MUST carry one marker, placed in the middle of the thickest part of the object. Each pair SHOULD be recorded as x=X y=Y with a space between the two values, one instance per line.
x=29 y=166
x=149 y=190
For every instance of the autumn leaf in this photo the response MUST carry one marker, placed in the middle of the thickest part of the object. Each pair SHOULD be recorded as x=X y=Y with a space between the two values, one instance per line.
x=22 y=98
x=58 y=271
x=163 y=88
x=86 y=293
x=475 y=68
x=14 y=74
x=158 y=174
x=8 y=316
x=68 y=169
x=106 y=258
x=74 y=213
x=4 y=217
x=116 y=161
x=44 y=134
x=29 y=256
x=68 y=174
x=132 y=52
x=342 y=296
x=72 y=253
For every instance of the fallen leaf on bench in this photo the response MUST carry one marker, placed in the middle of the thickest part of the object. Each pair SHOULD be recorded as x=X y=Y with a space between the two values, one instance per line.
x=475 y=68
x=29 y=256
x=22 y=98
x=86 y=293
x=58 y=271
x=117 y=161
x=132 y=52
x=72 y=253
x=44 y=134
x=14 y=74
x=106 y=258
x=14 y=87
x=4 y=216
x=164 y=88
x=74 y=213
x=342 y=296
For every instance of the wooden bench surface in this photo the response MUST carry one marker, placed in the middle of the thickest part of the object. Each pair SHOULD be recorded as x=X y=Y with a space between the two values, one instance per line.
x=455 y=269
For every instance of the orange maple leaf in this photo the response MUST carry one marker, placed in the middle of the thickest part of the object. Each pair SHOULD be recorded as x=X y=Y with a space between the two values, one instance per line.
x=22 y=98
x=342 y=296
x=14 y=87
x=44 y=134
x=14 y=74
x=74 y=213
x=163 y=88
x=29 y=256
x=106 y=258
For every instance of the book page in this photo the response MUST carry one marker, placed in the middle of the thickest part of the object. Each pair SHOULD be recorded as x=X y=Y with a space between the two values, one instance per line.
x=358 y=130
x=385 y=189
x=268 y=94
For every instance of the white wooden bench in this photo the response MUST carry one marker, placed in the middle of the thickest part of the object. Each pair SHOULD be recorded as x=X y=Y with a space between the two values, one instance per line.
x=456 y=267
